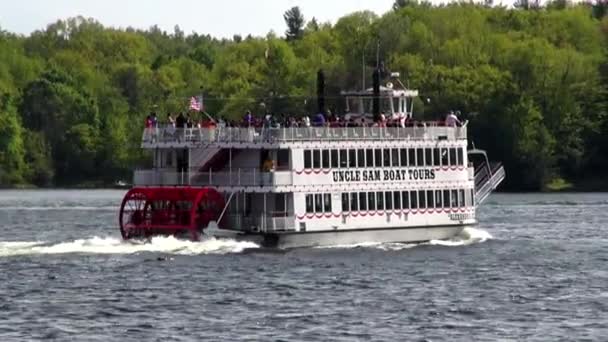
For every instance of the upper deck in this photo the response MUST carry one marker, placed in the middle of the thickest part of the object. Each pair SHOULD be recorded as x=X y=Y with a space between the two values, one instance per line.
x=230 y=136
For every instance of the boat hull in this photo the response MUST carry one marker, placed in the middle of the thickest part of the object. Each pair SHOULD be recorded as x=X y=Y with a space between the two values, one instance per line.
x=351 y=237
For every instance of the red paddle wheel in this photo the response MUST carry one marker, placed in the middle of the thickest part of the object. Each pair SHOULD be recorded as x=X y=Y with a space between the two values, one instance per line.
x=152 y=211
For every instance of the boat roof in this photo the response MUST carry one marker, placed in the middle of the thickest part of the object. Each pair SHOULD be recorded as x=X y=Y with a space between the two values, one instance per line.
x=384 y=91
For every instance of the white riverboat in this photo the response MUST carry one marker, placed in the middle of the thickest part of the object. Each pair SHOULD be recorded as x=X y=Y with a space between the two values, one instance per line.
x=312 y=186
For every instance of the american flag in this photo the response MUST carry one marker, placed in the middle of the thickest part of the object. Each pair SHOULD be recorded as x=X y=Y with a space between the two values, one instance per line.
x=195 y=104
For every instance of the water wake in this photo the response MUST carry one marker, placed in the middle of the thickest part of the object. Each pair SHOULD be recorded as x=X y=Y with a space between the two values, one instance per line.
x=468 y=236
x=110 y=245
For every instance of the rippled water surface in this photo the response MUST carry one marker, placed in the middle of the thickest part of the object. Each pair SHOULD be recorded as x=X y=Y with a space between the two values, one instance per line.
x=536 y=268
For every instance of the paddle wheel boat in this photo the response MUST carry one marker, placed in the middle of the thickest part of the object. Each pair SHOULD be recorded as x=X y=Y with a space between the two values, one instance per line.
x=313 y=186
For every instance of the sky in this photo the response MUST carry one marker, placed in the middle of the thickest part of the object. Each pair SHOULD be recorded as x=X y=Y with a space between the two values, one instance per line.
x=220 y=18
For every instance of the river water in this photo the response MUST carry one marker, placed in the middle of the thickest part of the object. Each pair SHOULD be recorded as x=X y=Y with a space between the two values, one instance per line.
x=535 y=269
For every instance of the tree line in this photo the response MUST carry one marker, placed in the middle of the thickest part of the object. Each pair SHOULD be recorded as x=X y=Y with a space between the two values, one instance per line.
x=531 y=80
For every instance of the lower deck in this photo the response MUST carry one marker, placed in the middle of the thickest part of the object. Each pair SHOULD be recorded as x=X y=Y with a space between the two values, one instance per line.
x=347 y=211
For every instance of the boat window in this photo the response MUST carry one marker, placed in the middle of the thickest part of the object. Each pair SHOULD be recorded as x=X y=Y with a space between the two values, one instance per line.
x=363 y=201
x=379 y=201
x=430 y=201
x=403 y=153
x=378 y=157
x=343 y=159
x=437 y=198
x=436 y=158
x=454 y=198
x=309 y=204
x=388 y=200
x=369 y=158
x=428 y=157
x=419 y=157
x=280 y=204
x=444 y=157
x=307 y=159
x=283 y=159
x=452 y=156
x=472 y=198
x=169 y=158
x=354 y=202
x=397 y=200
x=327 y=203
x=325 y=158
x=371 y=201
x=352 y=158
x=361 y=158
x=318 y=203
x=421 y=199
x=414 y=199
x=387 y=157
x=334 y=159
x=460 y=157
x=395 y=155
x=345 y=203
x=316 y=159
x=461 y=198
x=446 y=198
x=411 y=157
x=405 y=199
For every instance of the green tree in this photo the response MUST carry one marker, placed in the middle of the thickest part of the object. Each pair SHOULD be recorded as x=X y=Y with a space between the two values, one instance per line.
x=295 y=23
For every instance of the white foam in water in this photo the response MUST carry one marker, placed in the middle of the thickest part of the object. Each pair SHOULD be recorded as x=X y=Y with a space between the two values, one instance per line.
x=109 y=245
x=468 y=236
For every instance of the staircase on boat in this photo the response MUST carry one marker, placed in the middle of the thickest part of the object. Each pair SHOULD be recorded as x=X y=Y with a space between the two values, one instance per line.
x=487 y=178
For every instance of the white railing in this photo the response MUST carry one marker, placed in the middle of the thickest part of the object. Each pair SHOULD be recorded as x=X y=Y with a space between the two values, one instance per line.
x=236 y=177
x=271 y=135
x=262 y=223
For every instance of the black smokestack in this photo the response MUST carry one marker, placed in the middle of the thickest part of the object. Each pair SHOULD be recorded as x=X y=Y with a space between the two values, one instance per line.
x=376 y=101
x=321 y=91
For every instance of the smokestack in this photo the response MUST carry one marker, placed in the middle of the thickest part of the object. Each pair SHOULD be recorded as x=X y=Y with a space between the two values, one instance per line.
x=376 y=101
x=321 y=91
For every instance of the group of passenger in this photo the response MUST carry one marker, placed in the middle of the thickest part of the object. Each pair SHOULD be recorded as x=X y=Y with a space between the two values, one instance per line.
x=327 y=119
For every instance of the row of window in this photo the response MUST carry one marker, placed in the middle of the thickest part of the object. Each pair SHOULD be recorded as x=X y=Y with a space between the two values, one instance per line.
x=392 y=200
x=397 y=200
x=383 y=157
x=318 y=203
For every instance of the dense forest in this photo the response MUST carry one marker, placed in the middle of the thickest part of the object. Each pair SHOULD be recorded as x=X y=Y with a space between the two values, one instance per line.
x=532 y=81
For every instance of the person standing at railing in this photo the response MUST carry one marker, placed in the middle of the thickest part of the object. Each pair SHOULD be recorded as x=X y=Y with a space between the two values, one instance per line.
x=268 y=168
x=248 y=119
x=451 y=120
x=180 y=123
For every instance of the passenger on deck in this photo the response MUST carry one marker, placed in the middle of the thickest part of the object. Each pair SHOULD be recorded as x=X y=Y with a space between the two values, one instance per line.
x=319 y=120
x=170 y=120
x=180 y=122
x=451 y=120
x=154 y=120
x=248 y=119
x=305 y=121
x=189 y=123
x=170 y=129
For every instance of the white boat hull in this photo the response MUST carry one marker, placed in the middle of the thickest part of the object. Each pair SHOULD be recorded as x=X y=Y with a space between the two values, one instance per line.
x=351 y=237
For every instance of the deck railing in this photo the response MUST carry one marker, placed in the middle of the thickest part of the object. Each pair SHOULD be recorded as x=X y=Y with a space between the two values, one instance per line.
x=169 y=134
x=262 y=223
x=236 y=177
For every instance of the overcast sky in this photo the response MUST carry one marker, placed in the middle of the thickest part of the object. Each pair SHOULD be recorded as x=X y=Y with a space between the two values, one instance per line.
x=220 y=18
